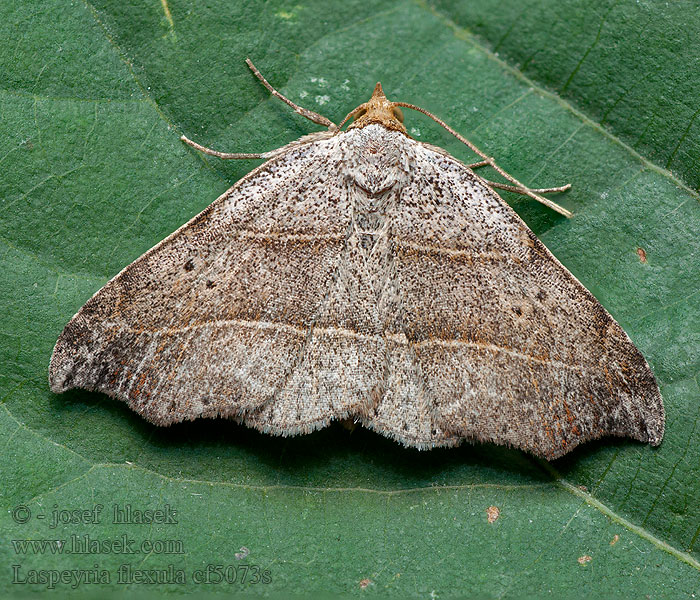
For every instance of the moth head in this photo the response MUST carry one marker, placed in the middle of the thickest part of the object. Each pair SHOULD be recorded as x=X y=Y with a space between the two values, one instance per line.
x=378 y=109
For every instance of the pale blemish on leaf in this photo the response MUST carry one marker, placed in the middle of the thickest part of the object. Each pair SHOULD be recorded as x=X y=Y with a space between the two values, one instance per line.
x=288 y=15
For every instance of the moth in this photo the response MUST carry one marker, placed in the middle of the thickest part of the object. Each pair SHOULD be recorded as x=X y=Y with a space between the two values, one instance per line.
x=361 y=274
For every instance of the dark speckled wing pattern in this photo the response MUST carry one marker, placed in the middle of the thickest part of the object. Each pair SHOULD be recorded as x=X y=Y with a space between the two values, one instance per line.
x=363 y=275
x=508 y=346
x=211 y=321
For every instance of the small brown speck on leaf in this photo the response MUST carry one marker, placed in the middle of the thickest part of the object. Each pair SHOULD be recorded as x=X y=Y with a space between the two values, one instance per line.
x=365 y=583
x=642 y=254
x=492 y=513
x=582 y=560
x=614 y=540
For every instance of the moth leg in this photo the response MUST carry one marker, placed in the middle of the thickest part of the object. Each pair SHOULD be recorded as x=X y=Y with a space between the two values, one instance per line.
x=476 y=165
x=224 y=155
x=520 y=188
x=304 y=112
x=512 y=188
x=489 y=160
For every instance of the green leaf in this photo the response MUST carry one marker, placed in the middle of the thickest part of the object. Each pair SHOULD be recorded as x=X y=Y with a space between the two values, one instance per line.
x=93 y=99
x=631 y=66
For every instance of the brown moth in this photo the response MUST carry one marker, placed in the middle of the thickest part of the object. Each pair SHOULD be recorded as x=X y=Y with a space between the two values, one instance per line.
x=364 y=275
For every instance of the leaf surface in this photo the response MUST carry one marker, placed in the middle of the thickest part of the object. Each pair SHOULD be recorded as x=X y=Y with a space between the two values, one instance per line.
x=93 y=99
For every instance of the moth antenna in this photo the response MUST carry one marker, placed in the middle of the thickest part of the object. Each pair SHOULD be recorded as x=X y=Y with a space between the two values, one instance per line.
x=489 y=160
x=304 y=112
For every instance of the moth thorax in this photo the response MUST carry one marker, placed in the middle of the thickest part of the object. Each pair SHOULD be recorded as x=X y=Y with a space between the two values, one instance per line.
x=369 y=219
x=375 y=159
